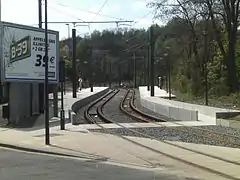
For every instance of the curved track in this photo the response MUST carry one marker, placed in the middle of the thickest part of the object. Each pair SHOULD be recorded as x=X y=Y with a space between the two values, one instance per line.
x=216 y=136
x=105 y=119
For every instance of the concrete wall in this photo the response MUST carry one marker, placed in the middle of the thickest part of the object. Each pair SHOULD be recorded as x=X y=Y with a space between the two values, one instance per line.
x=166 y=109
x=205 y=110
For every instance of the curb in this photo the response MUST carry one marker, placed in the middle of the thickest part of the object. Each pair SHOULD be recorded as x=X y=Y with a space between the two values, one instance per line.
x=33 y=150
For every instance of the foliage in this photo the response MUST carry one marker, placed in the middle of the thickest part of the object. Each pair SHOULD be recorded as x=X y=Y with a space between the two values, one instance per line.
x=196 y=41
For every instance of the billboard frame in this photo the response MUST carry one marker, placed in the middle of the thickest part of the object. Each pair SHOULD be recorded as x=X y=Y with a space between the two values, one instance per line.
x=30 y=80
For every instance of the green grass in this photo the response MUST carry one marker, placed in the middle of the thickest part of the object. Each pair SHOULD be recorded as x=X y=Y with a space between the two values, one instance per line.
x=231 y=101
x=237 y=118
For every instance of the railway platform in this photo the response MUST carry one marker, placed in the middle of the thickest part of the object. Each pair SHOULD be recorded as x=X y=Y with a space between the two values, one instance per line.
x=129 y=151
x=186 y=112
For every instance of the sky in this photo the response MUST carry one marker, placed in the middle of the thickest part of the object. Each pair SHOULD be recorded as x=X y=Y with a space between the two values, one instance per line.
x=26 y=12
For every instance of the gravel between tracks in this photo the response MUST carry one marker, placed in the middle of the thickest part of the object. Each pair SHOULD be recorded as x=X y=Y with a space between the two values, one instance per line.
x=174 y=134
x=112 y=111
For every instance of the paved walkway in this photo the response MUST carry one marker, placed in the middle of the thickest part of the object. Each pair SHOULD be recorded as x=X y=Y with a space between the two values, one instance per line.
x=157 y=92
x=133 y=151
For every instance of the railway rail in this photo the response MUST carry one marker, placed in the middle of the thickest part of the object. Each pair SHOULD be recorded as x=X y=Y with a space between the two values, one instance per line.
x=106 y=119
x=224 y=137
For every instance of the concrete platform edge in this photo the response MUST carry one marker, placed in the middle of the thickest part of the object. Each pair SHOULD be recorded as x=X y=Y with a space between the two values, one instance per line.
x=172 y=112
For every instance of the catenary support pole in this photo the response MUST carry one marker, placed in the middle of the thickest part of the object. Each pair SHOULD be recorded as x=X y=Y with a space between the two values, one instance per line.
x=62 y=78
x=47 y=138
x=74 y=78
x=148 y=66
x=41 y=85
x=205 y=66
x=135 y=70
x=152 y=61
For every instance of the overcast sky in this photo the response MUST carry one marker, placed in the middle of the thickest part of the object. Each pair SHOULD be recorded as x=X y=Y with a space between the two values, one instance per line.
x=26 y=12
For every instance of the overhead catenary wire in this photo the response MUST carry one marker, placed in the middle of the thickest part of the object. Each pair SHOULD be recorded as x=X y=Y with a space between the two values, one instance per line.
x=105 y=2
x=68 y=14
x=89 y=11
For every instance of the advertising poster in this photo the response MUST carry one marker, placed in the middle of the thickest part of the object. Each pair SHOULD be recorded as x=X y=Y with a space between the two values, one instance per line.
x=23 y=54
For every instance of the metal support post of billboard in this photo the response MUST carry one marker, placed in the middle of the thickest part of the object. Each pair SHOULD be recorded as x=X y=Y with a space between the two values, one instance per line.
x=47 y=139
x=74 y=78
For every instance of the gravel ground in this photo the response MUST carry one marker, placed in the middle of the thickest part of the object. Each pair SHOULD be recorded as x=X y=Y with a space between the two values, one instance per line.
x=175 y=134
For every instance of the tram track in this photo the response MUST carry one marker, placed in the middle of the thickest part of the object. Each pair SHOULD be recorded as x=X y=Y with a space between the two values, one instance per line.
x=106 y=119
x=154 y=120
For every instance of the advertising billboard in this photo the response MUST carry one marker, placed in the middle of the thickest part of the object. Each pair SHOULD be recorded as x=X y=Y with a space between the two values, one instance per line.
x=23 y=54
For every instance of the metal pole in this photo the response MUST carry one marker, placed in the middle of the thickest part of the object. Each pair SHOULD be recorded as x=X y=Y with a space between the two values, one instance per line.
x=135 y=70
x=169 y=79
x=62 y=77
x=110 y=73
x=62 y=108
x=41 y=85
x=205 y=66
x=47 y=139
x=68 y=57
x=40 y=13
x=91 y=69
x=74 y=78
x=152 y=60
x=148 y=67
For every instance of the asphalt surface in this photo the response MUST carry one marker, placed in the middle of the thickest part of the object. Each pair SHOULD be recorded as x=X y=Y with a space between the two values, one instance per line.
x=22 y=166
